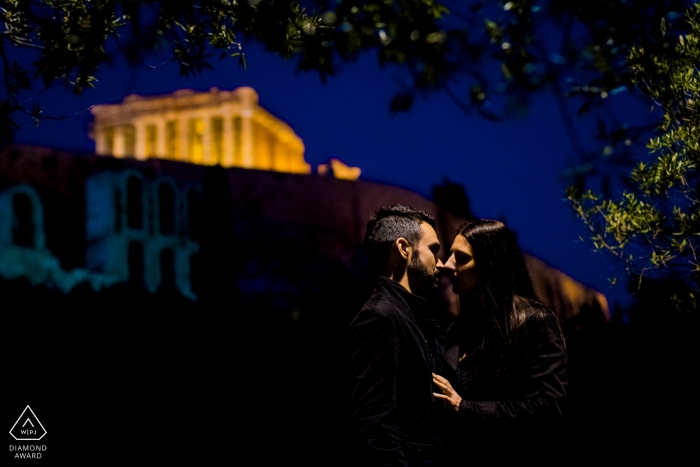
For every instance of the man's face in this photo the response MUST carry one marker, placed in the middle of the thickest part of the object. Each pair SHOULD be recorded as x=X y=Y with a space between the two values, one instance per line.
x=423 y=266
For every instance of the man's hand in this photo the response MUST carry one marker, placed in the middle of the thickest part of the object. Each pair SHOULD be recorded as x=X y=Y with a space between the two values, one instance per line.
x=449 y=394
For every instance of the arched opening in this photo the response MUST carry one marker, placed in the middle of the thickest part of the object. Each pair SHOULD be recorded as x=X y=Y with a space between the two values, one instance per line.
x=136 y=265
x=23 y=221
x=166 y=209
x=194 y=212
x=195 y=274
x=167 y=268
x=134 y=203
x=118 y=211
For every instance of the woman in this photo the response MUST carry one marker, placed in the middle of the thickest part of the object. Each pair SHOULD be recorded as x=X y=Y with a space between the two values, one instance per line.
x=505 y=375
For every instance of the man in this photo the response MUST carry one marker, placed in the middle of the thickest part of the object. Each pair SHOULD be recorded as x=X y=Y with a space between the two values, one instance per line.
x=396 y=345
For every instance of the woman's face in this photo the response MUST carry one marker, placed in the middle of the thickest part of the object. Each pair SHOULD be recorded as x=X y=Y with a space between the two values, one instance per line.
x=461 y=267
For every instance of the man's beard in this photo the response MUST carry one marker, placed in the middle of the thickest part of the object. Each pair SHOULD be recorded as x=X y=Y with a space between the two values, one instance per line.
x=422 y=282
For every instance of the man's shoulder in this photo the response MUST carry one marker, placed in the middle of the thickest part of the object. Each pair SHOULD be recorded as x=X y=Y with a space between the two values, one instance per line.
x=381 y=304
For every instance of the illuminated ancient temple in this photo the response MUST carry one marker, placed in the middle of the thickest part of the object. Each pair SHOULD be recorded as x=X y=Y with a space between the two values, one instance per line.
x=228 y=128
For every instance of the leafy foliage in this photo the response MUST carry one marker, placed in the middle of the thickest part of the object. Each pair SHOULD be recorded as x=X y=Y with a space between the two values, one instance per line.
x=488 y=56
x=67 y=39
x=654 y=229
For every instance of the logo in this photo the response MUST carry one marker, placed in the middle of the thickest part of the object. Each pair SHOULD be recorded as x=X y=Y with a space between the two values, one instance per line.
x=27 y=427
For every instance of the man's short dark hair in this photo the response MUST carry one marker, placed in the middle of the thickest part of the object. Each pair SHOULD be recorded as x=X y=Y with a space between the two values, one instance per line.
x=386 y=226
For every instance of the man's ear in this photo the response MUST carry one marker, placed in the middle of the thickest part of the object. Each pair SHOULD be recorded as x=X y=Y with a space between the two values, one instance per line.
x=403 y=248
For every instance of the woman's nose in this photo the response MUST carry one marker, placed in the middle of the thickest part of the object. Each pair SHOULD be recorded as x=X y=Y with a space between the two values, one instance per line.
x=447 y=266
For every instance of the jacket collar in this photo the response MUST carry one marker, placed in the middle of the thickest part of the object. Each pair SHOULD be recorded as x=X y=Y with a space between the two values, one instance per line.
x=418 y=305
x=424 y=311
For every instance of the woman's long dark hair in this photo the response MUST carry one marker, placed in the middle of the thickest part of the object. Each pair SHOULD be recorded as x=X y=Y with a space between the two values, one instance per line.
x=504 y=297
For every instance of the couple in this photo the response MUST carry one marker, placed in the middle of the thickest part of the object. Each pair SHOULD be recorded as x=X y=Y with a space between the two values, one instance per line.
x=489 y=387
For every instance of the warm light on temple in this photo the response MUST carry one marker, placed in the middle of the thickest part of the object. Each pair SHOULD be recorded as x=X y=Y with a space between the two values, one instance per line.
x=339 y=169
x=228 y=128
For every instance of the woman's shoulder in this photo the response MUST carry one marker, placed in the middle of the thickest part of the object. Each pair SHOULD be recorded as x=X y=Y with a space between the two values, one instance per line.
x=536 y=317
x=531 y=310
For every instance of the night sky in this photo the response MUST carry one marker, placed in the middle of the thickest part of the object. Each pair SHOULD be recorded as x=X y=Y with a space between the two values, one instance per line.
x=511 y=170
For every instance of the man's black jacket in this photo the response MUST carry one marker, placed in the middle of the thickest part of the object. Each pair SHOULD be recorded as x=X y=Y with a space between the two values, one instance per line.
x=395 y=345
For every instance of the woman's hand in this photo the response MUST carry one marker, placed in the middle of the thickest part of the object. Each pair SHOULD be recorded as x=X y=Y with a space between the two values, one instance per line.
x=449 y=394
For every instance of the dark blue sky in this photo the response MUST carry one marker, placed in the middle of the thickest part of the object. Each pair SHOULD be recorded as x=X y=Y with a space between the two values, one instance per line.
x=512 y=170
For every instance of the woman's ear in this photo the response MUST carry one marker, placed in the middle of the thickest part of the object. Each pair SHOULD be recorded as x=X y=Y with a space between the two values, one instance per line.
x=403 y=247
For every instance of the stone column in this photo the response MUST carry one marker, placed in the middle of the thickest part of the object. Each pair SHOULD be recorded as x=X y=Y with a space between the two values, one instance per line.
x=140 y=139
x=207 y=149
x=100 y=141
x=119 y=148
x=183 y=122
x=249 y=101
x=247 y=139
x=227 y=140
x=161 y=141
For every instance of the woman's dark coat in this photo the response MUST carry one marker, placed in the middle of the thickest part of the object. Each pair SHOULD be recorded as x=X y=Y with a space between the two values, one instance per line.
x=508 y=410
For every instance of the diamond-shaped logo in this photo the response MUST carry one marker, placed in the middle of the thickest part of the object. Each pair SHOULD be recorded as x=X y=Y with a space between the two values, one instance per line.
x=27 y=427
